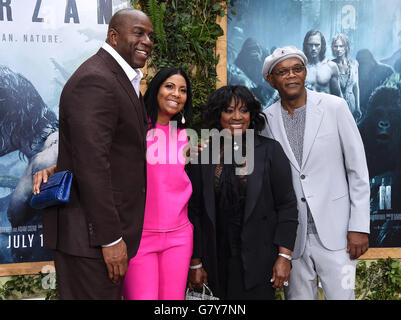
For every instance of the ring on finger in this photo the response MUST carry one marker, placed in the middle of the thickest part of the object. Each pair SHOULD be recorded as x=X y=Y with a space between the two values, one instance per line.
x=285 y=283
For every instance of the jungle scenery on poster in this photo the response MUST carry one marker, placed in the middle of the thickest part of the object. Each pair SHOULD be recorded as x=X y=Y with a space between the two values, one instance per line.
x=42 y=42
x=354 y=51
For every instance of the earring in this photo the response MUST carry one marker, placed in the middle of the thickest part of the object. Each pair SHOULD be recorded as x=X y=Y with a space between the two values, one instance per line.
x=182 y=118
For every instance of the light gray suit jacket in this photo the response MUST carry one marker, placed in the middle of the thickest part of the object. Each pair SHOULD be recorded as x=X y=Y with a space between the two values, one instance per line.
x=333 y=178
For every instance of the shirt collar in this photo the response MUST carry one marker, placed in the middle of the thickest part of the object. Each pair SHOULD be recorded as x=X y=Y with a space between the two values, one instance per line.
x=299 y=110
x=132 y=74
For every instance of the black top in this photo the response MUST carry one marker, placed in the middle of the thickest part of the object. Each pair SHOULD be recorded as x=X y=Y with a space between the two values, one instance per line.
x=230 y=195
x=266 y=215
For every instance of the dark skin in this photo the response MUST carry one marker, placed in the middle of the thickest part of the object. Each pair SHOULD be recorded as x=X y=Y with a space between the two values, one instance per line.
x=130 y=34
x=358 y=244
x=281 y=272
x=237 y=117
x=293 y=95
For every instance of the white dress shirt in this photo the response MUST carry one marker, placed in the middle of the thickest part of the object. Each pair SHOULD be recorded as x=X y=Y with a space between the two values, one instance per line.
x=134 y=75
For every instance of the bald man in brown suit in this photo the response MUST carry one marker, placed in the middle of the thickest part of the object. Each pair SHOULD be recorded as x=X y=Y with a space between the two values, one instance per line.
x=102 y=141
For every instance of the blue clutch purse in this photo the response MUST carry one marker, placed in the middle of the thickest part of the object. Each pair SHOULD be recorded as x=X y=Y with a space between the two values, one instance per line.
x=55 y=191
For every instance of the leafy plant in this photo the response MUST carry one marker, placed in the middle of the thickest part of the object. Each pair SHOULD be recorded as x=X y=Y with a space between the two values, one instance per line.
x=26 y=286
x=156 y=14
x=375 y=280
x=379 y=280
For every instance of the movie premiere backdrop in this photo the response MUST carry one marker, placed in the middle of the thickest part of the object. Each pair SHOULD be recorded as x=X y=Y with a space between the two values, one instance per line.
x=371 y=78
x=42 y=42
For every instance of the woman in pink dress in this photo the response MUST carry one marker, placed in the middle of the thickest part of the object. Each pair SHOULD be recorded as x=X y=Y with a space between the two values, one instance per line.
x=160 y=268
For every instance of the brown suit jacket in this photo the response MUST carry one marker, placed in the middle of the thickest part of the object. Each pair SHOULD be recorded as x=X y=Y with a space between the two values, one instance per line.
x=103 y=142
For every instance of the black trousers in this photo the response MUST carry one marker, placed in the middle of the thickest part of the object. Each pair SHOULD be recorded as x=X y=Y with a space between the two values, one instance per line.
x=235 y=288
x=80 y=278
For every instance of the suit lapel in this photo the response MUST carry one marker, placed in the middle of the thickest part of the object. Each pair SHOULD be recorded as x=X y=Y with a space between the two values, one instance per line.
x=276 y=124
x=314 y=116
x=208 y=191
x=122 y=78
x=254 y=180
x=136 y=102
x=254 y=184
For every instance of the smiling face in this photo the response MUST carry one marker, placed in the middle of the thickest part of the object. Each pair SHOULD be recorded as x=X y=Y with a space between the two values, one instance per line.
x=132 y=38
x=291 y=86
x=235 y=117
x=171 y=98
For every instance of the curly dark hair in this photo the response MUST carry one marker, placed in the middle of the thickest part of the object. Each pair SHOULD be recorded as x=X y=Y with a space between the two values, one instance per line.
x=150 y=97
x=220 y=100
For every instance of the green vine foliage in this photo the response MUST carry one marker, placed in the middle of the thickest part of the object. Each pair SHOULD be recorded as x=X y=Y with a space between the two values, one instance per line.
x=156 y=12
x=379 y=280
x=186 y=36
x=29 y=286
x=375 y=280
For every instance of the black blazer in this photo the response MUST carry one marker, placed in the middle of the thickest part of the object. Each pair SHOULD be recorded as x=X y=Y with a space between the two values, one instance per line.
x=270 y=217
x=103 y=142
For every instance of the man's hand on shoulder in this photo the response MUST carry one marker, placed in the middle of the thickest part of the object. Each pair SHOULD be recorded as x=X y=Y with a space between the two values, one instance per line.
x=116 y=260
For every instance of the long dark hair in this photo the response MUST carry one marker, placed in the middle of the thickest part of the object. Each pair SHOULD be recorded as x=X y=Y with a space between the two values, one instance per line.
x=322 y=53
x=220 y=100
x=152 y=106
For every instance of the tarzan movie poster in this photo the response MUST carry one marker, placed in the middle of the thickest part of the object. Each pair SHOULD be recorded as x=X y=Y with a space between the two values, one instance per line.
x=42 y=42
x=354 y=51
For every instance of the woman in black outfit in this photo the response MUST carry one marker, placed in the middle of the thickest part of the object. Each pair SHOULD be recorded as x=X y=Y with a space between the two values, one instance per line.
x=244 y=214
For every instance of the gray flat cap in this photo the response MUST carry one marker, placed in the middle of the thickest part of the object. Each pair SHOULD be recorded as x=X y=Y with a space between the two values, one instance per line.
x=281 y=54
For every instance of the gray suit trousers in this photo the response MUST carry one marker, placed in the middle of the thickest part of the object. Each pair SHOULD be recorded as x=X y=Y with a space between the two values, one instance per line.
x=334 y=268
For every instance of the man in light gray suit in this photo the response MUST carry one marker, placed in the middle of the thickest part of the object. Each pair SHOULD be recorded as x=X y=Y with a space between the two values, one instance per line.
x=330 y=177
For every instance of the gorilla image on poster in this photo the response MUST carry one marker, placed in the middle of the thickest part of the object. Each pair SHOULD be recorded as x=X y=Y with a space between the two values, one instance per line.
x=381 y=134
x=354 y=51
x=26 y=126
